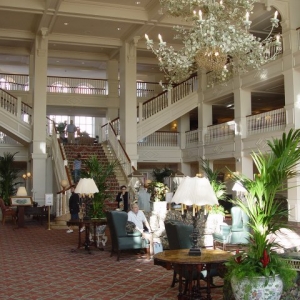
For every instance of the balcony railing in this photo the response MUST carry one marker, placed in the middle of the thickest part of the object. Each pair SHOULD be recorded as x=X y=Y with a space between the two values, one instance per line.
x=268 y=121
x=160 y=139
x=193 y=137
x=86 y=86
x=220 y=132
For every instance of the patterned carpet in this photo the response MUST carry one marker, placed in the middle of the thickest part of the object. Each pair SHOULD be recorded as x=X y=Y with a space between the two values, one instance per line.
x=37 y=264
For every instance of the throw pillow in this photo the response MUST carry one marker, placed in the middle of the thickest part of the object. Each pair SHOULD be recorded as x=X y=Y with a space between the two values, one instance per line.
x=130 y=227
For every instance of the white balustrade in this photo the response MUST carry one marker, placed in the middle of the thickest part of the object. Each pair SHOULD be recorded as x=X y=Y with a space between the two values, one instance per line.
x=111 y=138
x=268 y=121
x=193 y=137
x=220 y=132
x=160 y=139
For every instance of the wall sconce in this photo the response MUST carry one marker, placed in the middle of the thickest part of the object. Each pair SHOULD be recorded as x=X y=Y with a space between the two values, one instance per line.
x=26 y=175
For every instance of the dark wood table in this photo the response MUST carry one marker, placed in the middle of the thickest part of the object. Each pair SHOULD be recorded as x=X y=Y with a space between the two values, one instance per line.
x=186 y=265
x=88 y=224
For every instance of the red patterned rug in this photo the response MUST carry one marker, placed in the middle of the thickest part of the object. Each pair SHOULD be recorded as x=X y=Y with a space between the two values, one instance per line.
x=38 y=264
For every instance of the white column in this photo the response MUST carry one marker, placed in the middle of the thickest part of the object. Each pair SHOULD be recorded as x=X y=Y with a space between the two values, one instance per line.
x=128 y=101
x=183 y=126
x=205 y=117
x=242 y=108
x=113 y=89
x=39 y=155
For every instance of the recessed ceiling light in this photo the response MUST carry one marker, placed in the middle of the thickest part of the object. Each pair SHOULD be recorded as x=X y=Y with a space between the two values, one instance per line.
x=138 y=2
x=118 y=28
x=57 y=61
x=82 y=62
x=66 y=23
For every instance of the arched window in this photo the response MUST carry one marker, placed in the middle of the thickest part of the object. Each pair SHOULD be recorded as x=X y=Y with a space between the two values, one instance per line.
x=85 y=88
x=59 y=87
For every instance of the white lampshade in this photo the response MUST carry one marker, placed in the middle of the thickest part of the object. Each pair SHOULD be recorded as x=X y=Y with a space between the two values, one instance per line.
x=21 y=191
x=238 y=187
x=195 y=190
x=86 y=186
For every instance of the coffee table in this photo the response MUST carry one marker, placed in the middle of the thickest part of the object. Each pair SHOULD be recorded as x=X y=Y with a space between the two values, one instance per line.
x=186 y=266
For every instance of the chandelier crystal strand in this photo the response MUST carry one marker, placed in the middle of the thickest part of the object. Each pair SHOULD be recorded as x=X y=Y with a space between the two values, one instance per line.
x=217 y=34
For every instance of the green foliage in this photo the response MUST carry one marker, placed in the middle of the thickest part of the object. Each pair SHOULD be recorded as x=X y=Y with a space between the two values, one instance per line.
x=61 y=127
x=265 y=214
x=216 y=209
x=212 y=175
x=8 y=176
x=160 y=174
x=99 y=172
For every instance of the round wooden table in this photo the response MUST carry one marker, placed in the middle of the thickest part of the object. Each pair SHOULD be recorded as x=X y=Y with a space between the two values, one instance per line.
x=188 y=267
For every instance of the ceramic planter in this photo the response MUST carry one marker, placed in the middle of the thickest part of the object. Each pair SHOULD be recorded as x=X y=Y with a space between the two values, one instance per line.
x=255 y=289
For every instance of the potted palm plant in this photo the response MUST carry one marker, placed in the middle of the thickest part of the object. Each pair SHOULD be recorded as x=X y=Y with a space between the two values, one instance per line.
x=260 y=272
x=99 y=172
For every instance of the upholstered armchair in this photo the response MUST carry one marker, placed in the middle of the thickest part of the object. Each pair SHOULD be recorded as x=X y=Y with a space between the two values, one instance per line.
x=120 y=238
x=235 y=234
x=7 y=211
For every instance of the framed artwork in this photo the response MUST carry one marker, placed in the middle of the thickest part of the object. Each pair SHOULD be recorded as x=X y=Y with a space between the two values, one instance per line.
x=21 y=200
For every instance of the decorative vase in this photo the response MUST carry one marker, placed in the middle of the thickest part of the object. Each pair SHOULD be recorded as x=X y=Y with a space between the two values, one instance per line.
x=158 y=206
x=256 y=288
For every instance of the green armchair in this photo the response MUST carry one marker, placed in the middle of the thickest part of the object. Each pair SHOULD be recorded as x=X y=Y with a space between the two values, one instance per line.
x=120 y=238
x=235 y=234
x=179 y=236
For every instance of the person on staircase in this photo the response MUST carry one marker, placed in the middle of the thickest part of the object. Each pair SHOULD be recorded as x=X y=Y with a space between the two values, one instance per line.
x=71 y=129
x=123 y=198
x=74 y=208
x=77 y=169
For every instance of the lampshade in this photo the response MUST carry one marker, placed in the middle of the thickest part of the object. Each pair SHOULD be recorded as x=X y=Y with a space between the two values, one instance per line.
x=195 y=190
x=86 y=186
x=238 y=187
x=21 y=191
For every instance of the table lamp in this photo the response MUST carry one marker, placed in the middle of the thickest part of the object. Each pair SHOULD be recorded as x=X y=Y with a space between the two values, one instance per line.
x=21 y=191
x=87 y=188
x=196 y=192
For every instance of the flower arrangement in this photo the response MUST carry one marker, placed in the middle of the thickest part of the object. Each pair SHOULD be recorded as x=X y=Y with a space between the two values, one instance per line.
x=157 y=190
x=265 y=214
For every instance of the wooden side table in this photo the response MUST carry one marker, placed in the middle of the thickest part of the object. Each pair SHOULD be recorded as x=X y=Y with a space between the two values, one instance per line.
x=88 y=224
x=185 y=264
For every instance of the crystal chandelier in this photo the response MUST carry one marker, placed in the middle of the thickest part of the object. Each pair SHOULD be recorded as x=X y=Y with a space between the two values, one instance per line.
x=215 y=39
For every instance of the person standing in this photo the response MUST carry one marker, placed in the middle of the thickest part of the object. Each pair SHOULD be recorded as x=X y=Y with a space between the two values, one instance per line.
x=74 y=208
x=71 y=129
x=123 y=198
x=77 y=168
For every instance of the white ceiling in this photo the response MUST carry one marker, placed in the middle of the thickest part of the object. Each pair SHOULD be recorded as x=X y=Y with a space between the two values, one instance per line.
x=95 y=31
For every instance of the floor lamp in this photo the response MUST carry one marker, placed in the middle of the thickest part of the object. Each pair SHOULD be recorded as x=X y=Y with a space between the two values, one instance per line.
x=195 y=192
x=86 y=187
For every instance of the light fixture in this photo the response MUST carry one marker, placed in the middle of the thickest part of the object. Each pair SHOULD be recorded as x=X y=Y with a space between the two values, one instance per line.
x=215 y=39
x=21 y=191
x=26 y=175
x=195 y=191
x=87 y=188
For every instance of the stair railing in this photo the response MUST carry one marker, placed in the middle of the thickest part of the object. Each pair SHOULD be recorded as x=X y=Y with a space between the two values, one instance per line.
x=110 y=136
x=60 y=170
x=167 y=98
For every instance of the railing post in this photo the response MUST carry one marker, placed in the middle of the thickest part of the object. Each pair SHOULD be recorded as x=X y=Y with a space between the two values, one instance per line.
x=170 y=94
x=19 y=105
x=141 y=117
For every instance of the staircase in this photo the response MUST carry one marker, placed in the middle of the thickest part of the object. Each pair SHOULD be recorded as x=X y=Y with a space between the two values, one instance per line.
x=113 y=182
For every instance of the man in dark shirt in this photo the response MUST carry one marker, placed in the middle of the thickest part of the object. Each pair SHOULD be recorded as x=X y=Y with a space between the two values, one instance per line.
x=74 y=208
